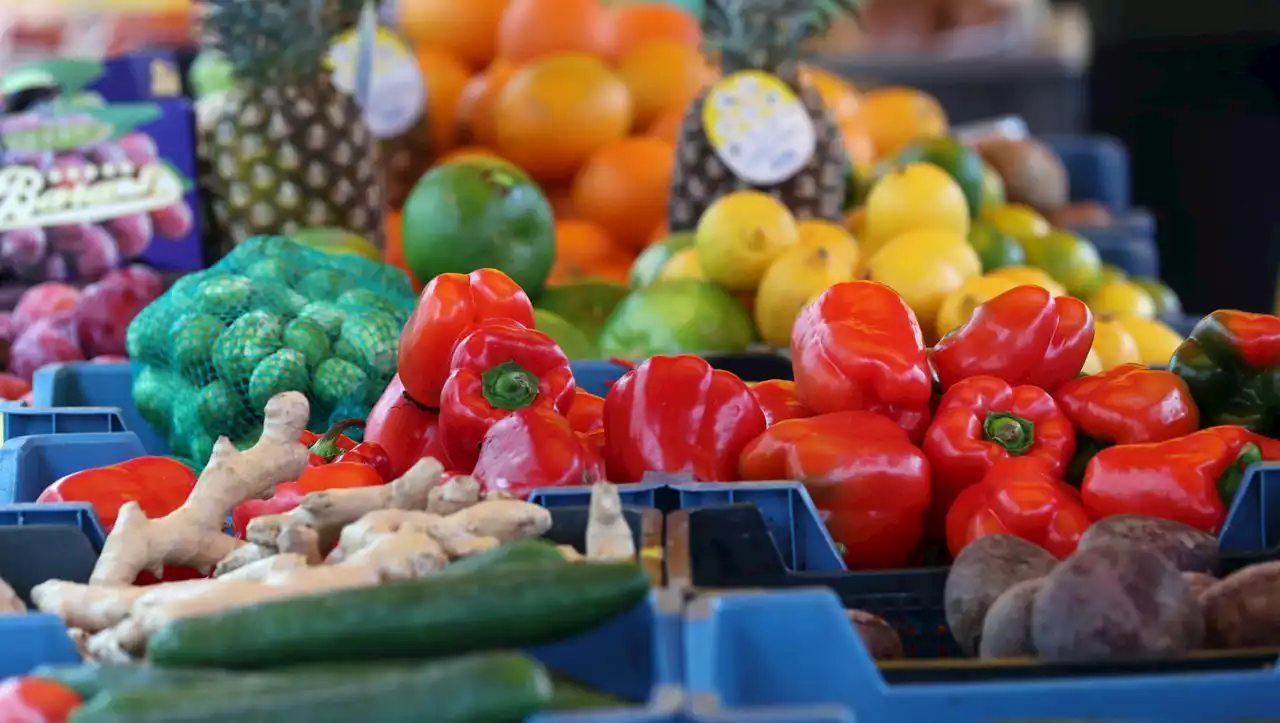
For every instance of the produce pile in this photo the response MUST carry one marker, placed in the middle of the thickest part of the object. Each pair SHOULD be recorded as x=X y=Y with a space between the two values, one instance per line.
x=401 y=589
x=271 y=316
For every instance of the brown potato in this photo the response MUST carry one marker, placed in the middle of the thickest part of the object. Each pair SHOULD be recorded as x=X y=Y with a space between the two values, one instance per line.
x=1243 y=610
x=1006 y=632
x=1115 y=602
x=1189 y=549
x=882 y=641
x=1198 y=582
x=981 y=573
x=1033 y=174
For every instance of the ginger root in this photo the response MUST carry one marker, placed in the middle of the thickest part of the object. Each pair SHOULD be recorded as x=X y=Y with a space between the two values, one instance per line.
x=9 y=600
x=454 y=495
x=192 y=534
x=608 y=534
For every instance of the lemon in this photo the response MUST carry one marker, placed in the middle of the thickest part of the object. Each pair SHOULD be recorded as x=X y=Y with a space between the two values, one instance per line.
x=1092 y=364
x=1071 y=260
x=1156 y=340
x=683 y=264
x=1113 y=273
x=1122 y=298
x=1114 y=345
x=915 y=196
x=1167 y=301
x=740 y=234
x=1026 y=275
x=1018 y=220
x=959 y=305
x=923 y=267
x=795 y=277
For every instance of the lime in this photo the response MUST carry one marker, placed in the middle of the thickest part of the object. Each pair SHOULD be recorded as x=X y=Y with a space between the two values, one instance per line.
x=960 y=162
x=995 y=248
x=479 y=213
x=992 y=188
x=572 y=341
x=649 y=264
x=585 y=304
x=337 y=241
x=1071 y=260
x=677 y=317
x=1167 y=301
x=1113 y=273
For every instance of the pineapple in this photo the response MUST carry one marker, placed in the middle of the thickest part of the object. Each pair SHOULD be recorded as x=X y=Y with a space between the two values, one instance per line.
x=286 y=149
x=762 y=35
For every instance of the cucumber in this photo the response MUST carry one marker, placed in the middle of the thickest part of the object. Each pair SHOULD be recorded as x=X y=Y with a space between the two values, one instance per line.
x=428 y=618
x=569 y=694
x=90 y=679
x=480 y=688
x=522 y=552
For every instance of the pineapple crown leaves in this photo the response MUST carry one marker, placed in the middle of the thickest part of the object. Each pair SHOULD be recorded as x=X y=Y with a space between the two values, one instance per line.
x=276 y=40
x=767 y=34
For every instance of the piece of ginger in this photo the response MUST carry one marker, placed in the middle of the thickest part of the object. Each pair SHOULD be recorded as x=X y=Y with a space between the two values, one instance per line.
x=609 y=536
x=455 y=495
x=192 y=534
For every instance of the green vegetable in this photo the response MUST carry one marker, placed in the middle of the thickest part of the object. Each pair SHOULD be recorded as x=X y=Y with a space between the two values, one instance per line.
x=192 y=340
x=246 y=344
x=152 y=396
x=571 y=695
x=328 y=316
x=513 y=554
x=269 y=270
x=309 y=338
x=371 y=340
x=324 y=284
x=225 y=296
x=338 y=379
x=432 y=617
x=286 y=370
x=90 y=679
x=221 y=410
x=482 y=688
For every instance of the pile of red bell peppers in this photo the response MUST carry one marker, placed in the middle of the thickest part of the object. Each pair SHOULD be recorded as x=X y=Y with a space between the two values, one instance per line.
x=904 y=449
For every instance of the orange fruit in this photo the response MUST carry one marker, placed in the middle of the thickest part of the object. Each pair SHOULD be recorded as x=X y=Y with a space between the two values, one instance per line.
x=560 y=196
x=557 y=111
x=475 y=118
x=466 y=29
x=896 y=116
x=532 y=29
x=667 y=126
x=393 y=254
x=837 y=93
x=858 y=143
x=446 y=76
x=623 y=187
x=585 y=251
x=631 y=26
x=462 y=152
x=662 y=75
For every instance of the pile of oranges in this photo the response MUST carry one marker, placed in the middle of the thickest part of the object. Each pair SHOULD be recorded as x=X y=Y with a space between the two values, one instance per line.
x=588 y=97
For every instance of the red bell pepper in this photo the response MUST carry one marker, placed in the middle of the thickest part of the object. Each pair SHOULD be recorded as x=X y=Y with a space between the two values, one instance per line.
x=1192 y=479
x=535 y=447
x=406 y=430
x=858 y=347
x=1022 y=496
x=37 y=700
x=447 y=308
x=498 y=368
x=288 y=495
x=334 y=446
x=678 y=414
x=1023 y=336
x=285 y=497
x=330 y=446
x=586 y=414
x=777 y=398
x=863 y=473
x=158 y=484
x=983 y=420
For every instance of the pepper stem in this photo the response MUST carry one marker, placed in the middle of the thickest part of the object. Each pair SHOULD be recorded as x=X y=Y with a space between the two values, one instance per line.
x=509 y=386
x=1229 y=483
x=1010 y=431
x=327 y=446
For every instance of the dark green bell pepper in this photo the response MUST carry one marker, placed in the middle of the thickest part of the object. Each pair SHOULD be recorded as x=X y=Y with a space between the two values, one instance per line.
x=1231 y=363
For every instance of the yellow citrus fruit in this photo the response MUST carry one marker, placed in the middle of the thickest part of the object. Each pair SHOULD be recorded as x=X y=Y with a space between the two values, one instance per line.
x=923 y=267
x=683 y=264
x=1122 y=298
x=1026 y=275
x=795 y=277
x=959 y=305
x=1071 y=260
x=813 y=231
x=1114 y=345
x=1092 y=364
x=1018 y=220
x=915 y=196
x=1156 y=340
x=1113 y=273
x=740 y=234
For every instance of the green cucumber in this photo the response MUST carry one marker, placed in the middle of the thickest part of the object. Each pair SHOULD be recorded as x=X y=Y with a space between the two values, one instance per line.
x=569 y=694
x=522 y=552
x=90 y=679
x=432 y=617
x=480 y=688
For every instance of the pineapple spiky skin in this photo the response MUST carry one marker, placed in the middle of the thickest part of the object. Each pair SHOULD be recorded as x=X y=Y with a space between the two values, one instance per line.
x=817 y=191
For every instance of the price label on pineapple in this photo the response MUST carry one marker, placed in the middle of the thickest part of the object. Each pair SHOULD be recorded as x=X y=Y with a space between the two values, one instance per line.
x=759 y=127
x=398 y=91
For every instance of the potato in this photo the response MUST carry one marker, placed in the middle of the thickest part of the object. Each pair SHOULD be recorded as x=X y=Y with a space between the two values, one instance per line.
x=1198 y=582
x=1115 y=602
x=981 y=573
x=1006 y=631
x=878 y=635
x=1033 y=174
x=1189 y=549
x=1243 y=610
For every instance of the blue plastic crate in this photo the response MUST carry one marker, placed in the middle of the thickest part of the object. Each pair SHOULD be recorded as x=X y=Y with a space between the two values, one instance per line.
x=789 y=513
x=33 y=640
x=30 y=464
x=765 y=651
x=1253 y=522
x=596 y=376
x=1128 y=244
x=79 y=515
x=26 y=421
x=1097 y=169
x=90 y=384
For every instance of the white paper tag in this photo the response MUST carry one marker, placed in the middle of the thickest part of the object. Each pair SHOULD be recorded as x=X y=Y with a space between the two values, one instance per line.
x=398 y=94
x=759 y=127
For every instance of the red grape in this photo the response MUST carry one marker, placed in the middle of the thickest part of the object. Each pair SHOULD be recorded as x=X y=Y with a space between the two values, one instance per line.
x=55 y=268
x=6 y=325
x=64 y=239
x=67 y=170
x=172 y=222
x=144 y=279
x=44 y=342
x=42 y=301
x=23 y=247
x=105 y=153
x=102 y=317
x=132 y=233
x=97 y=254
x=138 y=148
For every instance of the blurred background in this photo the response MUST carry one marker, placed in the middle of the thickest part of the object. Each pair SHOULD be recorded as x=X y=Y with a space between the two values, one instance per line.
x=1189 y=89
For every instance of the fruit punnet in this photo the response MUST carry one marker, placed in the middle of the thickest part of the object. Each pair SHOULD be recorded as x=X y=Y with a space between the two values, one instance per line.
x=288 y=149
x=760 y=37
